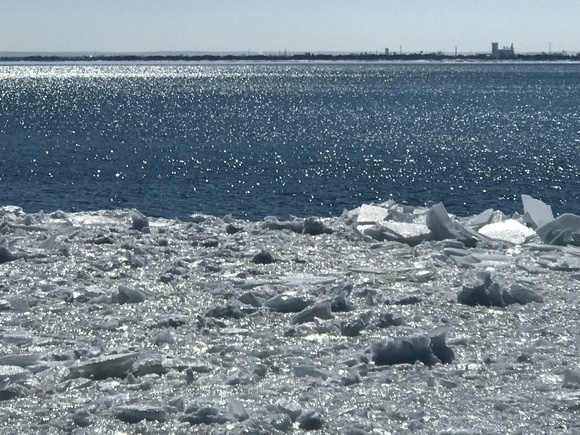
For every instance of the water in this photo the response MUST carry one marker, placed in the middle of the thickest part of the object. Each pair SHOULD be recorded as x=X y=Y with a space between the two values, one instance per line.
x=277 y=139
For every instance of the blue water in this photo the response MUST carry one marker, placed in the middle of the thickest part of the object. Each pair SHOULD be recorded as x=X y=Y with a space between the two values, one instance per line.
x=277 y=139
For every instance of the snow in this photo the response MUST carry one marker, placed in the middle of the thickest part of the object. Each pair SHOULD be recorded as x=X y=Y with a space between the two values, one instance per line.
x=509 y=230
x=371 y=214
x=407 y=320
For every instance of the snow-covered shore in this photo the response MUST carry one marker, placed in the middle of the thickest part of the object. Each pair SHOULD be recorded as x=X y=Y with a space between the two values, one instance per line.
x=387 y=319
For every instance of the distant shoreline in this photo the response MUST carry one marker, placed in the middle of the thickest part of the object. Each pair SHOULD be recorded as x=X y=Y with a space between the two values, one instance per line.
x=542 y=57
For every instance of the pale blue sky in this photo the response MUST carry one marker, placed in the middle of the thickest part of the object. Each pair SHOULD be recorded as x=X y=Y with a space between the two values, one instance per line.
x=297 y=25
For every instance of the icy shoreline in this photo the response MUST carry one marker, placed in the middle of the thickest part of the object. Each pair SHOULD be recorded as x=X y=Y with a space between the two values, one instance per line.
x=387 y=319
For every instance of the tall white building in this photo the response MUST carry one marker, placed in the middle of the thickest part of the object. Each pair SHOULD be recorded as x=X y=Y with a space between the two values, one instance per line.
x=502 y=53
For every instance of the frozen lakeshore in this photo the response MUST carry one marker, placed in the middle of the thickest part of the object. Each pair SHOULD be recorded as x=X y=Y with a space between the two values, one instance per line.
x=387 y=319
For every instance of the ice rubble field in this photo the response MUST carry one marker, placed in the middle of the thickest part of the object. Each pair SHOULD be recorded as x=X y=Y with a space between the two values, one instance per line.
x=387 y=319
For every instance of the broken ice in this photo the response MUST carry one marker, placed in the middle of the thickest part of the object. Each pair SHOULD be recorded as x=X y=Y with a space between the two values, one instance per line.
x=389 y=317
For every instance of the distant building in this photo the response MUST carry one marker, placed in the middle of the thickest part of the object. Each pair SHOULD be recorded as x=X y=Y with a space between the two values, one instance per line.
x=502 y=53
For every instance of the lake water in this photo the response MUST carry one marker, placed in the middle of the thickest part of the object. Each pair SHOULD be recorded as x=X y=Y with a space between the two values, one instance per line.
x=288 y=138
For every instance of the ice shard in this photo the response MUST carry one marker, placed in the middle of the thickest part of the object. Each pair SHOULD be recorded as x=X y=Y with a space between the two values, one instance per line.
x=442 y=227
x=563 y=230
x=536 y=212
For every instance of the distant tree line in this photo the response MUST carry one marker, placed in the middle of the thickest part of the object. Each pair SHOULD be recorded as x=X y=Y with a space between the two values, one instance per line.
x=296 y=56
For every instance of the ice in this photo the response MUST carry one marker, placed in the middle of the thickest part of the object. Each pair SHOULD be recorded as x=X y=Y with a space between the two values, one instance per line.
x=137 y=413
x=129 y=295
x=310 y=370
x=491 y=293
x=206 y=415
x=110 y=366
x=13 y=373
x=23 y=360
x=207 y=336
x=236 y=411
x=6 y=255
x=510 y=231
x=321 y=310
x=429 y=349
x=263 y=257
x=291 y=409
x=371 y=214
x=443 y=227
x=563 y=230
x=140 y=222
x=311 y=420
x=315 y=226
x=352 y=327
x=409 y=233
x=571 y=379
x=536 y=212
x=287 y=303
x=478 y=221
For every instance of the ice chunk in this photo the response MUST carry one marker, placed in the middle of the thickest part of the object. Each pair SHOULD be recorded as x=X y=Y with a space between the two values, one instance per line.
x=404 y=350
x=5 y=305
x=409 y=233
x=232 y=309
x=6 y=255
x=136 y=413
x=350 y=377
x=510 y=231
x=110 y=366
x=81 y=417
x=195 y=414
x=536 y=212
x=149 y=364
x=235 y=409
x=140 y=222
x=14 y=373
x=163 y=338
x=281 y=422
x=23 y=360
x=293 y=410
x=479 y=220
x=442 y=227
x=438 y=345
x=263 y=257
x=128 y=295
x=242 y=376
x=311 y=420
x=491 y=294
x=571 y=379
x=352 y=327
x=287 y=304
x=430 y=349
x=563 y=230
x=315 y=226
x=321 y=310
x=464 y=262
x=294 y=224
x=371 y=214
x=310 y=370
x=250 y=298
x=523 y=295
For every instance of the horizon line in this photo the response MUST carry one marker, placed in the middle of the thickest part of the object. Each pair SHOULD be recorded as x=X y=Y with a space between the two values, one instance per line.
x=251 y=52
x=266 y=54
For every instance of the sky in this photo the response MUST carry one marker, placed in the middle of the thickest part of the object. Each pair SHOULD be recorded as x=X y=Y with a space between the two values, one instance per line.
x=293 y=25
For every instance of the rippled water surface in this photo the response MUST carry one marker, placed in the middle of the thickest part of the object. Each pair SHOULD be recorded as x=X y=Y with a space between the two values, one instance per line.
x=303 y=139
